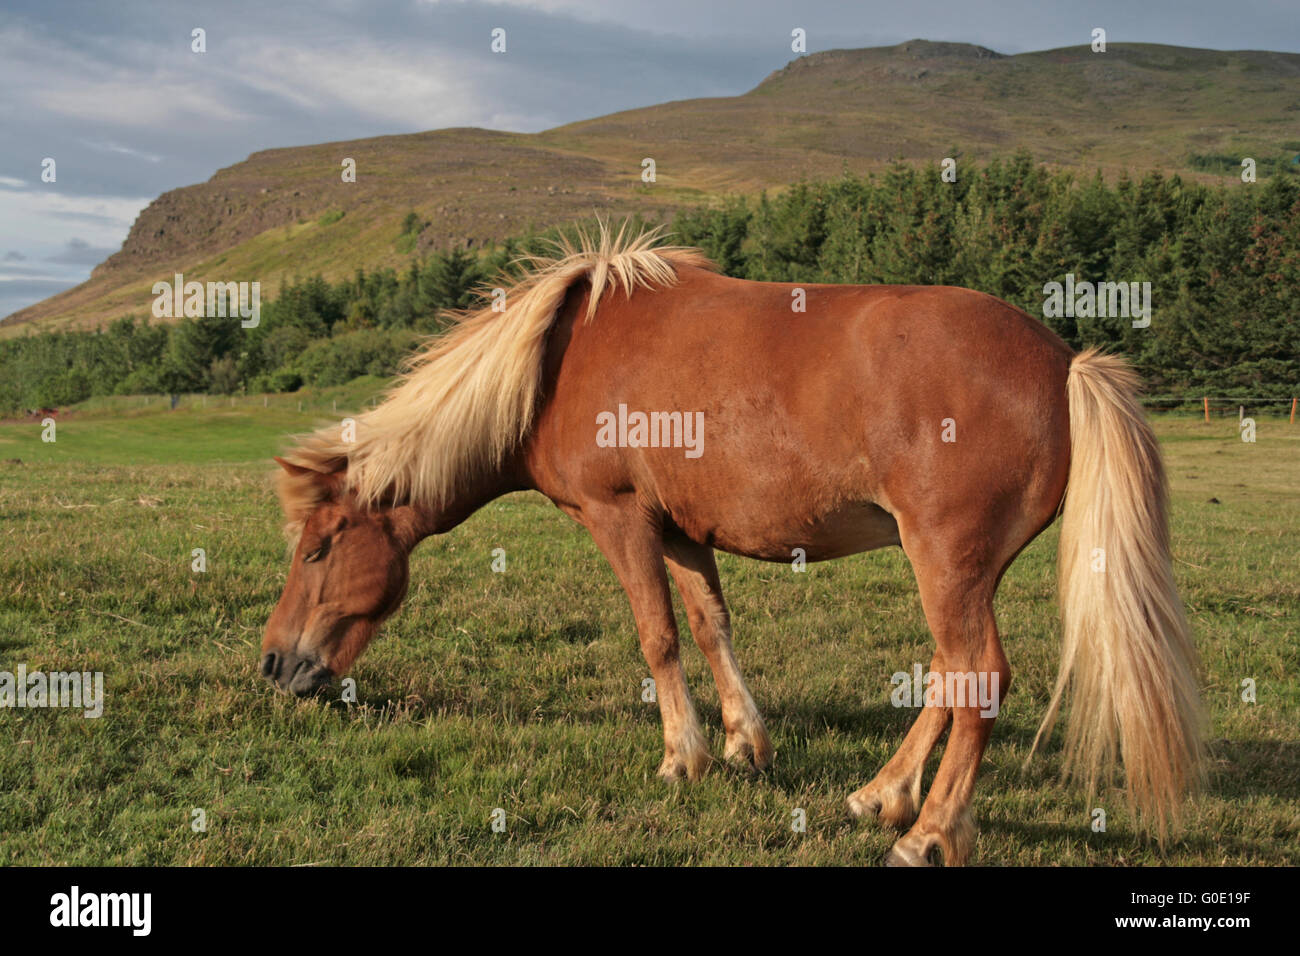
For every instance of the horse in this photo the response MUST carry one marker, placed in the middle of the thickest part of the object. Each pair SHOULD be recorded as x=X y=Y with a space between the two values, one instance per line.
x=833 y=419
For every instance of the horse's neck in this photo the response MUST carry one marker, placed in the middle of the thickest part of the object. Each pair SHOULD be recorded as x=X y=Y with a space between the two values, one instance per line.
x=467 y=500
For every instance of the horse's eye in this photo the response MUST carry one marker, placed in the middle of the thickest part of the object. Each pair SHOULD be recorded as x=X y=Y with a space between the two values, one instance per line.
x=317 y=554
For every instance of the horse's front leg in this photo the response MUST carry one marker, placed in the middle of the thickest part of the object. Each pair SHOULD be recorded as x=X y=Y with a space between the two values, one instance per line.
x=695 y=570
x=632 y=543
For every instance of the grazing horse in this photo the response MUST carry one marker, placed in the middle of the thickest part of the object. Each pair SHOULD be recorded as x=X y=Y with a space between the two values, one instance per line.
x=938 y=419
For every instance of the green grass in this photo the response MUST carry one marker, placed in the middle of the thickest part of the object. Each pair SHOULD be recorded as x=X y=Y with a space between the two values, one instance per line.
x=522 y=690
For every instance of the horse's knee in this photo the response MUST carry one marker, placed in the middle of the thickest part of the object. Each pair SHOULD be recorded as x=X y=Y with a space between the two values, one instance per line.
x=661 y=649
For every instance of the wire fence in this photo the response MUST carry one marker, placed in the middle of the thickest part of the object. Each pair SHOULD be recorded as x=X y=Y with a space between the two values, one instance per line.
x=1220 y=406
x=349 y=401
x=345 y=402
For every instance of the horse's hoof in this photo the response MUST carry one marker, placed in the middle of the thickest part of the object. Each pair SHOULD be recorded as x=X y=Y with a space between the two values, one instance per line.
x=744 y=756
x=741 y=756
x=889 y=806
x=864 y=807
x=902 y=855
x=691 y=766
x=672 y=770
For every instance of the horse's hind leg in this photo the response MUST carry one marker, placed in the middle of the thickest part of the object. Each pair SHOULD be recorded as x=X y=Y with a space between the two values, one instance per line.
x=957 y=595
x=695 y=570
x=894 y=794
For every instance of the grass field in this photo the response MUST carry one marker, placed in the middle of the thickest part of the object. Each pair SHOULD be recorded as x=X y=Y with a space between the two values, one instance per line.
x=522 y=690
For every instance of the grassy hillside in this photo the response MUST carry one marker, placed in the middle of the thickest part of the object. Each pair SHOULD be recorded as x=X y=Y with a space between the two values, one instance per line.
x=522 y=690
x=287 y=212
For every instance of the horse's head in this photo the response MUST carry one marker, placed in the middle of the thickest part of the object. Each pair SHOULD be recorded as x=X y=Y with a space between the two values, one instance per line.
x=349 y=573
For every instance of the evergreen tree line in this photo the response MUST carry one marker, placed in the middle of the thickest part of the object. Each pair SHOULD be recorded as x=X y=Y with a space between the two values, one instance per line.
x=313 y=332
x=1223 y=263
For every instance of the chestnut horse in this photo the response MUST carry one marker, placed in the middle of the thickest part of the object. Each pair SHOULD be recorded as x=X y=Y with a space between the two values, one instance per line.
x=938 y=419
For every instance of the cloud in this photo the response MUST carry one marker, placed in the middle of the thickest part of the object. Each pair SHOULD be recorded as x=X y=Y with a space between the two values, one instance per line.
x=130 y=85
x=14 y=256
x=403 y=87
x=126 y=151
x=105 y=217
x=124 y=102
x=17 y=294
x=79 y=252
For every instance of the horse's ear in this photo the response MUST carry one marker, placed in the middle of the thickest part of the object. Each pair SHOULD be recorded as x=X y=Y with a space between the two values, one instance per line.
x=302 y=489
x=297 y=471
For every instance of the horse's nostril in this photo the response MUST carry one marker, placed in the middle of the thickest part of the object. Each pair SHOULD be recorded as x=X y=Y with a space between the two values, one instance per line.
x=299 y=675
x=308 y=678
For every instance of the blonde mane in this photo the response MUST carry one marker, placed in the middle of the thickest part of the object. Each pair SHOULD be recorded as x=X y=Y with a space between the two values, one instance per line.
x=469 y=396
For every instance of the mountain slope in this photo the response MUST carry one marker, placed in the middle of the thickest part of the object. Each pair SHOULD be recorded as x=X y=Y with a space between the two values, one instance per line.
x=286 y=212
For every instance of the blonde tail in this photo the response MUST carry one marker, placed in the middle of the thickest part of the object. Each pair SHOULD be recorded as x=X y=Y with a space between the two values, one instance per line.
x=1126 y=650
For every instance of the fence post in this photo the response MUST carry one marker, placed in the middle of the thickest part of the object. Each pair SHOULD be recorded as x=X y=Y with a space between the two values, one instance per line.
x=1206 y=402
x=1293 y=411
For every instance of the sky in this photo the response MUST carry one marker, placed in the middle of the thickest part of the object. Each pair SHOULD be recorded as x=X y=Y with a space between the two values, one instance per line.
x=114 y=93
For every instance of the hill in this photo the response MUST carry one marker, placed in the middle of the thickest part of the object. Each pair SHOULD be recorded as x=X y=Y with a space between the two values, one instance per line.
x=286 y=212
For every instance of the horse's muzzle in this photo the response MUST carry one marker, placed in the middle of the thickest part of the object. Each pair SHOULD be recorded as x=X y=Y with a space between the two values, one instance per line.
x=303 y=676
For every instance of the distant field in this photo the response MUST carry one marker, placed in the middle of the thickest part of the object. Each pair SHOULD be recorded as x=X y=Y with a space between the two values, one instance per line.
x=522 y=690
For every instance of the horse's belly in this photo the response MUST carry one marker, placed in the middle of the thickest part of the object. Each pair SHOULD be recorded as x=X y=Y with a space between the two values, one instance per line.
x=848 y=529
